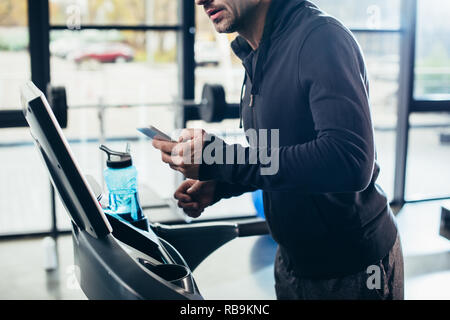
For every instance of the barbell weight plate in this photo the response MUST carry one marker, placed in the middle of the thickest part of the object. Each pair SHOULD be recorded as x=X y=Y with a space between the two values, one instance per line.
x=213 y=107
x=57 y=99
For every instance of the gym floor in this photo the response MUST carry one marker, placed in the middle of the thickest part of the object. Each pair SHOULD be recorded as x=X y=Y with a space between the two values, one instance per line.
x=242 y=269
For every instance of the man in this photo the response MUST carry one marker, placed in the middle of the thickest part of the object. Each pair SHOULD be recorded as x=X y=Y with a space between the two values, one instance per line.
x=306 y=77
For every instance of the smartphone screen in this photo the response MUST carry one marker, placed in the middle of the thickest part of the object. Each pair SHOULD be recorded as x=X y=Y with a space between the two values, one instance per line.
x=154 y=133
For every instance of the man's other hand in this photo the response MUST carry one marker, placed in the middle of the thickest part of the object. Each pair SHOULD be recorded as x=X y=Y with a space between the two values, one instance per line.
x=194 y=196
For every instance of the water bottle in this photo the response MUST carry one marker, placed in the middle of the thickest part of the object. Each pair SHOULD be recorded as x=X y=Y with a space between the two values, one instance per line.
x=121 y=180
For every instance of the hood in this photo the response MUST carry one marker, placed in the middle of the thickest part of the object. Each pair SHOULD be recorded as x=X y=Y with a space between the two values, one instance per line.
x=277 y=18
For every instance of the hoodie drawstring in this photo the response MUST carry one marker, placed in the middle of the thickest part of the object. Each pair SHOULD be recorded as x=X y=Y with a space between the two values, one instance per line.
x=241 y=100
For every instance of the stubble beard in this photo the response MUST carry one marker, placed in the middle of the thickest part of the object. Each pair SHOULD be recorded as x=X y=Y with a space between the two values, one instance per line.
x=227 y=25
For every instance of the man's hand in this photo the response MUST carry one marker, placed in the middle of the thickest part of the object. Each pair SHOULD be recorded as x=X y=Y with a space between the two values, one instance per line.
x=186 y=155
x=194 y=196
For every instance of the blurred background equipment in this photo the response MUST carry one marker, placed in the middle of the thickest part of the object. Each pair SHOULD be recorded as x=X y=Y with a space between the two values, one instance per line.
x=445 y=221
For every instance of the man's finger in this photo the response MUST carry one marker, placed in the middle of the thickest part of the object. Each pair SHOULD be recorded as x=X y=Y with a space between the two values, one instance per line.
x=193 y=213
x=180 y=196
x=180 y=193
x=164 y=146
x=191 y=134
x=194 y=188
x=174 y=162
x=189 y=205
x=186 y=135
x=166 y=158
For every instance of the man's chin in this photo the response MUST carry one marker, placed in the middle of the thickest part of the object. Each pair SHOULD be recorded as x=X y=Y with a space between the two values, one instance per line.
x=224 y=26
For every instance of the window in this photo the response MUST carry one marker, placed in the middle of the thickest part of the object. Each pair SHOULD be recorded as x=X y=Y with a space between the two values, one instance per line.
x=115 y=68
x=14 y=56
x=427 y=174
x=432 y=70
x=364 y=14
x=113 y=12
x=21 y=208
x=115 y=73
x=122 y=71
x=24 y=188
x=111 y=77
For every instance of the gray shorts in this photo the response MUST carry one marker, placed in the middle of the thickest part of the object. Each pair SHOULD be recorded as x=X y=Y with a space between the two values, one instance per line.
x=382 y=281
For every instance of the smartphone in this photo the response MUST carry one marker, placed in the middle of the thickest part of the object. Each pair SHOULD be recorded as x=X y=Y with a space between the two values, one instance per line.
x=154 y=133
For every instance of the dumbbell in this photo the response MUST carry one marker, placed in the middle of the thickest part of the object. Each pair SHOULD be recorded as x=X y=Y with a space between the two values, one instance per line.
x=214 y=107
x=57 y=99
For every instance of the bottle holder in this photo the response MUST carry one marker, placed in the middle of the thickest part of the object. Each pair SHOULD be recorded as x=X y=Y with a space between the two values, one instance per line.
x=175 y=274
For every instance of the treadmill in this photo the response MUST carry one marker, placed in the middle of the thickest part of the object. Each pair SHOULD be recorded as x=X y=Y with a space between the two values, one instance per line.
x=115 y=259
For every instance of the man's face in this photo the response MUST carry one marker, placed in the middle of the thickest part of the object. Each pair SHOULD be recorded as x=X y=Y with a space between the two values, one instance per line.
x=227 y=15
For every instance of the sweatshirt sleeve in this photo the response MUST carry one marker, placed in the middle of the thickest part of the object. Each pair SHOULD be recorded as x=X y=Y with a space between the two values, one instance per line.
x=341 y=157
x=226 y=190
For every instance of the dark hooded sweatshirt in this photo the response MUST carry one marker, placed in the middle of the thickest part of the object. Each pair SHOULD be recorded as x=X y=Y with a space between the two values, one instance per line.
x=323 y=206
